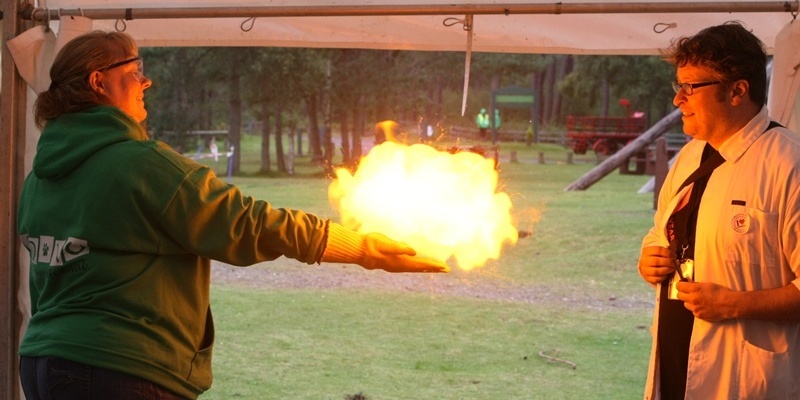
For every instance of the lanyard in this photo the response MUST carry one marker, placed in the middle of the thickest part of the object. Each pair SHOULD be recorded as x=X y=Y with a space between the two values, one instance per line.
x=711 y=159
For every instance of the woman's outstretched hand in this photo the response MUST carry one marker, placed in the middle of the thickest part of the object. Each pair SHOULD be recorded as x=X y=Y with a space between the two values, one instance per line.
x=389 y=255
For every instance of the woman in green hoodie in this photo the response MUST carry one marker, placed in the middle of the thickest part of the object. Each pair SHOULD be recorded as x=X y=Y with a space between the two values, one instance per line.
x=121 y=230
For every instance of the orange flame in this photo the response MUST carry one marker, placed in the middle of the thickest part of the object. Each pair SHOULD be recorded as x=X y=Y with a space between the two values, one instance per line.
x=441 y=204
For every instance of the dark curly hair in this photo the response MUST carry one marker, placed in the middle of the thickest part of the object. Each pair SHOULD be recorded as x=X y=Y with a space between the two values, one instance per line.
x=730 y=50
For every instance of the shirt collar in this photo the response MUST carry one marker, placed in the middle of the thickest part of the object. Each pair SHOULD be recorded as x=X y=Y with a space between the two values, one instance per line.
x=739 y=142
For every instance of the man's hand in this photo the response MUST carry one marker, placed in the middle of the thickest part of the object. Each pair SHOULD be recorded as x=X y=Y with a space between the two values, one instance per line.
x=392 y=256
x=656 y=263
x=708 y=301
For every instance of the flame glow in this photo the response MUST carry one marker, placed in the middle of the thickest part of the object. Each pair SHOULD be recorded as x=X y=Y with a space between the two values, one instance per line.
x=441 y=204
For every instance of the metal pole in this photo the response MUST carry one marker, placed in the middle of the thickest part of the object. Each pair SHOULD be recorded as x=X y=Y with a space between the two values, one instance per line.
x=39 y=14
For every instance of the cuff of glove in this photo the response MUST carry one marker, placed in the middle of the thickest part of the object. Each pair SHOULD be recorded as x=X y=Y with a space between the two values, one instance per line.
x=344 y=245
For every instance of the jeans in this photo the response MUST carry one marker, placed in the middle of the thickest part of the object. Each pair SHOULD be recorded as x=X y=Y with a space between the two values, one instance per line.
x=53 y=378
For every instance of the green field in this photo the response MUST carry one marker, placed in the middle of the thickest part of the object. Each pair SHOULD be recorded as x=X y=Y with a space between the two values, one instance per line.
x=570 y=292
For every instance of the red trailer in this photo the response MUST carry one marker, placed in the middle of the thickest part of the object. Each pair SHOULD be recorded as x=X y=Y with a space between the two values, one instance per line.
x=605 y=135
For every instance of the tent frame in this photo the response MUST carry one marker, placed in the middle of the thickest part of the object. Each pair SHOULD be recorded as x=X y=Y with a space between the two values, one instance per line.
x=20 y=15
x=39 y=14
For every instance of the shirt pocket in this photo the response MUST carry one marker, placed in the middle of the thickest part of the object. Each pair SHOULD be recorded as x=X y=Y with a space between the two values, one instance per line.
x=763 y=374
x=752 y=245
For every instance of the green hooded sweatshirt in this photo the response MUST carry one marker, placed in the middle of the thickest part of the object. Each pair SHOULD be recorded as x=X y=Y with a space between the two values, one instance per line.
x=120 y=230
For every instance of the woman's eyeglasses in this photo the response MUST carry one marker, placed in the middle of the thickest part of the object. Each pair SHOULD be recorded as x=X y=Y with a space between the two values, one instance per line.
x=119 y=64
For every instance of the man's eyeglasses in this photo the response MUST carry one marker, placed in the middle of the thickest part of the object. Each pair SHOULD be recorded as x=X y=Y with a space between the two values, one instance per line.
x=688 y=88
x=119 y=64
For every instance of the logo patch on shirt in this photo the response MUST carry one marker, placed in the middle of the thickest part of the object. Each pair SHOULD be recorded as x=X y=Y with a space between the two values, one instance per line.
x=741 y=223
x=52 y=251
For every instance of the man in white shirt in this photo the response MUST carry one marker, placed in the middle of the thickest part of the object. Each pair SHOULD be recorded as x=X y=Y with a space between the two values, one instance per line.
x=723 y=254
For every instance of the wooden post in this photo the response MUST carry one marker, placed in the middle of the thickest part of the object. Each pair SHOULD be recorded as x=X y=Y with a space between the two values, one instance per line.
x=541 y=158
x=514 y=157
x=12 y=160
x=635 y=146
x=569 y=158
x=661 y=168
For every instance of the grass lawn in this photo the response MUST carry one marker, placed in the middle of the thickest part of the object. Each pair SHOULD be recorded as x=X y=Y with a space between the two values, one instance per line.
x=570 y=291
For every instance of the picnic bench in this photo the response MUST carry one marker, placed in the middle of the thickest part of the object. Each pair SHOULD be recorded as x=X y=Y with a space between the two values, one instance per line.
x=646 y=161
x=604 y=135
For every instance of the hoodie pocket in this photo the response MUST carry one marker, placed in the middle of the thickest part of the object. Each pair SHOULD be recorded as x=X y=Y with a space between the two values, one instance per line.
x=200 y=375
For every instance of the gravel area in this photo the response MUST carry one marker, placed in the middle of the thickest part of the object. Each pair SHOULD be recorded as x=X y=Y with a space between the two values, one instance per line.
x=482 y=283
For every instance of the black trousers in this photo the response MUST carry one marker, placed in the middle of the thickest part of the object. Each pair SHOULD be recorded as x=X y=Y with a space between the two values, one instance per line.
x=53 y=378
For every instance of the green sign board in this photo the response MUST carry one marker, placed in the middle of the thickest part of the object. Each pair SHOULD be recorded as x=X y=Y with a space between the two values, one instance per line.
x=514 y=97
x=508 y=99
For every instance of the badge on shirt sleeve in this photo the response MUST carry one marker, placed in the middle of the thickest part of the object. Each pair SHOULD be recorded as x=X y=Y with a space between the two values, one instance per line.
x=741 y=223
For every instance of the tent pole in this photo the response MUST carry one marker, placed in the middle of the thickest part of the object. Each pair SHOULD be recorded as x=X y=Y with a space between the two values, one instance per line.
x=12 y=150
x=467 y=62
x=39 y=14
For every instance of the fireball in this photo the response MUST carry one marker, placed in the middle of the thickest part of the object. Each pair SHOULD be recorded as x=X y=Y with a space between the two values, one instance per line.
x=444 y=205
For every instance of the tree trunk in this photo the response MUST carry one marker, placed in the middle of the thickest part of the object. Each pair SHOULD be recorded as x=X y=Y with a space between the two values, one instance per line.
x=314 y=146
x=290 y=154
x=266 y=162
x=567 y=67
x=537 y=84
x=549 y=91
x=438 y=102
x=358 y=130
x=495 y=82
x=203 y=118
x=327 y=140
x=344 y=129
x=180 y=107
x=235 y=115
x=279 y=140
x=381 y=103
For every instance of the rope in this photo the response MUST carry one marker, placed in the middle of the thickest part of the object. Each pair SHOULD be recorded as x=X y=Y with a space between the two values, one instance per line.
x=663 y=26
x=252 y=21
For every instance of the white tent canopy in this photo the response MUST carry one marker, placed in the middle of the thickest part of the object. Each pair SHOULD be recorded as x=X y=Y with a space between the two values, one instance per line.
x=515 y=26
x=784 y=88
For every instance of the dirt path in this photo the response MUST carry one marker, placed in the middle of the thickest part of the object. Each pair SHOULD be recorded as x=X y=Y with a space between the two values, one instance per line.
x=288 y=274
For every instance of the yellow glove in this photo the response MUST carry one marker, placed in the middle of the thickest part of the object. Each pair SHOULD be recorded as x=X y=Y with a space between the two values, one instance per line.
x=389 y=255
x=375 y=251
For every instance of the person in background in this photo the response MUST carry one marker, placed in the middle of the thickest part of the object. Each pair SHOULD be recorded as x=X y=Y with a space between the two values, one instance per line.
x=214 y=149
x=723 y=253
x=483 y=123
x=529 y=134
x=386 y=131
x=496 y=122
x=120 y=230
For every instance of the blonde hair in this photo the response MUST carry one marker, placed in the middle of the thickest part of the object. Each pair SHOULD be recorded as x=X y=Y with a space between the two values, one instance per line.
x=69 y=89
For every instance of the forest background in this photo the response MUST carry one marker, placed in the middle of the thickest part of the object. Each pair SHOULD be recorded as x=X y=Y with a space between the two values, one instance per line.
x=280 y=93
